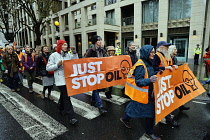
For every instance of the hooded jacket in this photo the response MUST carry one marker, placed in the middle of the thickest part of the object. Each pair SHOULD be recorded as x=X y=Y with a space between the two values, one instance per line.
x=52 y=64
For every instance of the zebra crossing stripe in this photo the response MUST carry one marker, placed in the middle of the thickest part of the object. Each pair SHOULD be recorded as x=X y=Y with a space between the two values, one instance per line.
x=34 y=121
x=83 y=109
x=115 y=99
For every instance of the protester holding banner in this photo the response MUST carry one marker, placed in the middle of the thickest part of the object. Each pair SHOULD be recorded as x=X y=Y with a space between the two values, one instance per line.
x=55 y=63
x=139 y=87
x=111 y=52
x=162 y=61
x=173 y=52
x=47 y=77
x=96 y=51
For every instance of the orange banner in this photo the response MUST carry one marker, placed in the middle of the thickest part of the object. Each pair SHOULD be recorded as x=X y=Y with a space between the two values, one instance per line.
x=174 y=89
x=88 y=74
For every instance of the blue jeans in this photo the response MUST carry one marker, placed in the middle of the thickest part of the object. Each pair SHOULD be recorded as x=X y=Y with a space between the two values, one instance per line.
x=96 y=99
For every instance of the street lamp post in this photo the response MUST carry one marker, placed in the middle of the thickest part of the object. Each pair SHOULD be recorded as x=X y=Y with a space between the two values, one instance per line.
x=56 y=23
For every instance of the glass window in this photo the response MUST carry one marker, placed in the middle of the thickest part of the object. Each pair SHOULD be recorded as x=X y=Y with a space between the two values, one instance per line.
x=179 y=9
x=108 y=2
x=150 y=11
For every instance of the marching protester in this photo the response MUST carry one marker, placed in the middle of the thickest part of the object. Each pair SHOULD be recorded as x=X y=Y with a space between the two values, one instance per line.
x=197 y=51
x=110 y=52
x=142 y=76
x=47 y=77
x=1 y=65
x=55 y=63
x=131 y=51
x=11 y=65
x=96 y=51
x=162 y=61
x=20 y=55
x=29 y=64
x=173 y=52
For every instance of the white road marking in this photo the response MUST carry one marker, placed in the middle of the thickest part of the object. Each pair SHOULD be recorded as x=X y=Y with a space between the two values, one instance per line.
x=115 y=99
x=34 y=121
x=199 y=102
x=80 y=107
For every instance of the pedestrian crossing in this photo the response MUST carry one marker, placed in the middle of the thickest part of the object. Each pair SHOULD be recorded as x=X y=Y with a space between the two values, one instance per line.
x=33 y=120
x=81 y=108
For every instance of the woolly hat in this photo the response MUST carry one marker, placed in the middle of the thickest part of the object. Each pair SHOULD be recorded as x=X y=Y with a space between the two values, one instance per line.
x=54 y=45
x=17 y=47
x=59 y=45
x=95 y=39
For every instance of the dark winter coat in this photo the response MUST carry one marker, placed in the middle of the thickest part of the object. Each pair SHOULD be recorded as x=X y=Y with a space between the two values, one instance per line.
x=29 y=63
x=41 y=66
x=95 y=52
x=135 y=109
x=132 y=54
x=11 y=63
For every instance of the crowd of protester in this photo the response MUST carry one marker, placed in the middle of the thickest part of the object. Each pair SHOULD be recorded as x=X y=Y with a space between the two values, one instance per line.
x=17 y=62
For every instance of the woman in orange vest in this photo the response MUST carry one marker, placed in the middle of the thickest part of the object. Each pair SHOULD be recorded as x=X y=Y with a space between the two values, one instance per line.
x=139 y=87
x=20 y=55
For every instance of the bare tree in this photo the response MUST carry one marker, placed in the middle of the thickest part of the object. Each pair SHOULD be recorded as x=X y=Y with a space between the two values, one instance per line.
x=7 y=26
x=37 y=11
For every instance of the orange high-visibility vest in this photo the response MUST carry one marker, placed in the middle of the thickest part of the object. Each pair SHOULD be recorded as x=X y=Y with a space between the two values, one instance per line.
x=20 y=59
x=163 y=61
x=139 y=94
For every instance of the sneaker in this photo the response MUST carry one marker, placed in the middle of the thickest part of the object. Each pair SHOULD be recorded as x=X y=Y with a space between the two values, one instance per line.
x=18 y=89
x=152 y=136
x=101 y=110
x=127 y=124
x=73 y=121
x=181 y=108
x=173 y=123
x=13 y=90
x=42 y=95
x=31 y=90
x=50 y=98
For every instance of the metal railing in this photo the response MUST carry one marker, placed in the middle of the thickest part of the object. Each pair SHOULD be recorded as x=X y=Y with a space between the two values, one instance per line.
x=128 y=21
x=110 y=21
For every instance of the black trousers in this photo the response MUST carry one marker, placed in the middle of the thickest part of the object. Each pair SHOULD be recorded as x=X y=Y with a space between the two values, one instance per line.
x=196 y=57
x=64 y=103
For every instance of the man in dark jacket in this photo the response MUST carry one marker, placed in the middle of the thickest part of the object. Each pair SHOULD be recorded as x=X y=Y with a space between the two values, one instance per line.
x=29 y=64
x=131 y=51
x=96 y=51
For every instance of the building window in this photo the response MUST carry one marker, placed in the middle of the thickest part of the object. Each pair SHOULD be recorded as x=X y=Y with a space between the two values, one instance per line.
x=110 y=17
x=93 y=7
x=108 y=2
x=179 y=9
x=150 y=11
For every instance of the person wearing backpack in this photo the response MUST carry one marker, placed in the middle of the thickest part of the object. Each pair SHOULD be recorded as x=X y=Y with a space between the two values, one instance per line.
x=47 y=76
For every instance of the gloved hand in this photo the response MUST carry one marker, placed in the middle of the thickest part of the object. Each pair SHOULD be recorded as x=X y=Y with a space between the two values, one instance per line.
x=60 y=63
x=153 y=78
